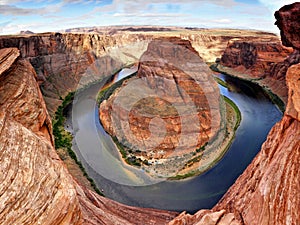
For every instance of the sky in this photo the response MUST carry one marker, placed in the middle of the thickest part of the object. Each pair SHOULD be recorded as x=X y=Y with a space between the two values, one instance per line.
x=57 y=15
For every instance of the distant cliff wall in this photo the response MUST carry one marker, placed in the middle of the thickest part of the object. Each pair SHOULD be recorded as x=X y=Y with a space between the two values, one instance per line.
x=64 y=62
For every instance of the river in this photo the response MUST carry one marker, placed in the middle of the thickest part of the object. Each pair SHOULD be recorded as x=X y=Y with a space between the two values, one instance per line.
x=99 y=156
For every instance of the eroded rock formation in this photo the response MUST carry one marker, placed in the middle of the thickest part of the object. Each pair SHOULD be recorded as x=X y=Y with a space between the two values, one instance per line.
x=265 y=61
x=36 y=188
x=255 y=57
x=174 y=96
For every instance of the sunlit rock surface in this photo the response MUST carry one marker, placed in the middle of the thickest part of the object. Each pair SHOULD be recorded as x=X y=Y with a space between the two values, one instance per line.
x=267 y=192
x=65 y=62
x=169 y=110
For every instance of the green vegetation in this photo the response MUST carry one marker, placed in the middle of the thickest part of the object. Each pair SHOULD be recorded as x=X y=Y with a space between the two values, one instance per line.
x=221 y=82
x=273 y=97
x=129 y=159
x=63 y=138
x=237 y=111
x=105 y=93
x=183 y=176
x=202 y=148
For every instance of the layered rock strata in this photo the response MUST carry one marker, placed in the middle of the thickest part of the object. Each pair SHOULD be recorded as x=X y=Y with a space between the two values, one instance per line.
x=65 y=62
x=36 y=188
x=262 y=61
x=170 y=110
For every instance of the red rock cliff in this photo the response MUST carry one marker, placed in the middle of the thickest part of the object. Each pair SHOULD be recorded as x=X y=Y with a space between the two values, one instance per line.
x=265 y=60
x=268 y=190
x=36 y=188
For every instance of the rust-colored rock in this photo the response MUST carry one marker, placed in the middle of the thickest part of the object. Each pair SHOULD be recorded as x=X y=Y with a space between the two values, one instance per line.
x=35 y=186
x=267 y=193
x=265 y=61
x=65 y=61
x=174 y=90
x=255 y=57
x=287 y=20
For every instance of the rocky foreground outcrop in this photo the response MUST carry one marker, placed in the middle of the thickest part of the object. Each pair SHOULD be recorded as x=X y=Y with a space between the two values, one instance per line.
x=35 y=186
x=267 y=192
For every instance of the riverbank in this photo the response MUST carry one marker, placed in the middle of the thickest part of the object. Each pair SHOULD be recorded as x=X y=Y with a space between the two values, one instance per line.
x=63 y=135
x=98 y=154
x=273 y=91
x=214 y=152
x=63 y=145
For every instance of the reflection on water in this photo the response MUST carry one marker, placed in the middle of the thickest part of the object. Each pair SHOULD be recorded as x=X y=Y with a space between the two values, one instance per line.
x=258 y=116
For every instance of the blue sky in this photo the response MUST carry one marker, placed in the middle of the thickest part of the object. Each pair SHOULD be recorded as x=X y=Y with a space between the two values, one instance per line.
x=55 y=15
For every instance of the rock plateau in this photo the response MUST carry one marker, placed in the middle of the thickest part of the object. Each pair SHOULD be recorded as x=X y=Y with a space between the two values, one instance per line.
x=264 y=61
x=35 y=186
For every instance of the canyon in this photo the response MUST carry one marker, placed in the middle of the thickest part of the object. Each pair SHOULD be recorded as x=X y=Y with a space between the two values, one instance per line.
x=37 y=72
x=65 y=62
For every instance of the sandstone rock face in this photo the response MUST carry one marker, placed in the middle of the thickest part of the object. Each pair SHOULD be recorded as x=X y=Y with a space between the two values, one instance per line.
x=35 y=185
x=170 y=109
x=253 y=56
x=267 y=192
x=288 y=22
x=293 y=78
x=64 y=61
x=35 y=188
x=266 y=61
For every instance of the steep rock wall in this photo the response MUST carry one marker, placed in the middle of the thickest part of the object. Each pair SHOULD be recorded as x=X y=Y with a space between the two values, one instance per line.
x=175 y=92
x=267 y=191
x=264 y=61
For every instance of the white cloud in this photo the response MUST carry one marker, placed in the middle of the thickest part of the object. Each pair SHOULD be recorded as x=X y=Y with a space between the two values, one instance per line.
x=130 y=6
x=198 y=13
x=158 y=15
x=222 y=21
x=18 y=11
